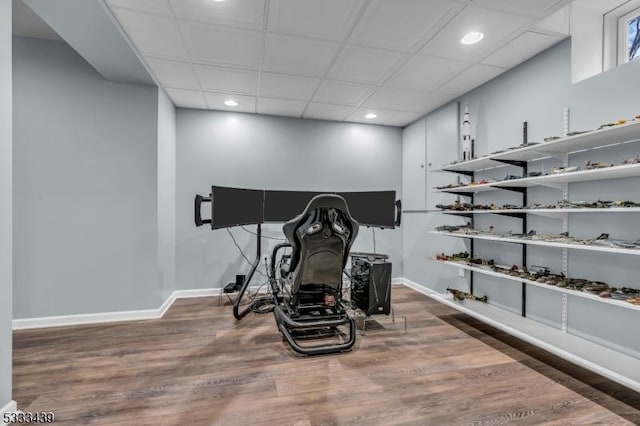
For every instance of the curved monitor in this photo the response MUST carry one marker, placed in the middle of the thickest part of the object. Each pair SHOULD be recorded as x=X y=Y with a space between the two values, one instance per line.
x=372 y=208
x=236 y=206
x=281 y=206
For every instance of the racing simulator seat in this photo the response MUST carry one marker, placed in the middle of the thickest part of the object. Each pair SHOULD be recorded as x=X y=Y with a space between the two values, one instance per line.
x=307 y=289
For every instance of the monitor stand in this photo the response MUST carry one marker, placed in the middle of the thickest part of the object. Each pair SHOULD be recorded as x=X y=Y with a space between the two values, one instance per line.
x=237 y=313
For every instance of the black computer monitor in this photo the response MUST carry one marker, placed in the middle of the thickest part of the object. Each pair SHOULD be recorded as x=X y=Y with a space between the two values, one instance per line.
x=281 y=206
x=236 y=206
x=372 y=208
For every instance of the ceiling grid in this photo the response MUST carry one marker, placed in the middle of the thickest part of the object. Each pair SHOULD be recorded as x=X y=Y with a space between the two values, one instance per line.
x=335 y=59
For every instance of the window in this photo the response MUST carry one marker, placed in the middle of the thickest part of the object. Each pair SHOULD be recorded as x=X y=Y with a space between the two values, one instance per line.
x=629 y=37
x=621 y=42
x=633 y=37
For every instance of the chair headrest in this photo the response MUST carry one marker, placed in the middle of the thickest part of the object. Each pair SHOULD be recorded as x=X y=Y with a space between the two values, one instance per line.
x=322 y=201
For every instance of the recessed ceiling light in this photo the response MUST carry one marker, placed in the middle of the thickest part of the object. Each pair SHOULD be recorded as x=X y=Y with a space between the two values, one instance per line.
x=230 y=103
x=370 y=116
x=472 y=38
x=218 y=0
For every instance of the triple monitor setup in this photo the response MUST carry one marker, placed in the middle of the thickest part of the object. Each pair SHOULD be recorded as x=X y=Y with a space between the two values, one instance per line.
x=306 y=272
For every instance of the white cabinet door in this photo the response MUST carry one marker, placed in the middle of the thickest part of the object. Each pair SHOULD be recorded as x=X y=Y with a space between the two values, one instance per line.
x=442 y=148
x=413 y=166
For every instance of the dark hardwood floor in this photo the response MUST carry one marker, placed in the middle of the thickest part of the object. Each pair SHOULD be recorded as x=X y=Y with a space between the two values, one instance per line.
x=198 y=366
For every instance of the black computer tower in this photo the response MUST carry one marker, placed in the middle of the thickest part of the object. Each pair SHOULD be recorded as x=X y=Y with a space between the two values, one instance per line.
x=371 y=284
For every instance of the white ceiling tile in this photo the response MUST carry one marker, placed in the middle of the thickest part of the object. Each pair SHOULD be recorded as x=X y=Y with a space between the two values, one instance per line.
x=364 y=64
x=425 y=72
x=520 y=49
x=470 y=79
x=537 y=8
x=329 y=19
x=152 y=35
x=400 y=24
x=327 y=111
x=300 y=56
x=557 y=22
x=285 y=107
x=227 y=79
x=394 y=99
x=220 y=45
x=238 y=13
x=187 y=98
x=358 y=116
x=216 y=101
x=159 y=7
x=401 y=119
x=430 y=101
x=496 y=26
x=287 y=86
x=340 y=92
x=174 y=74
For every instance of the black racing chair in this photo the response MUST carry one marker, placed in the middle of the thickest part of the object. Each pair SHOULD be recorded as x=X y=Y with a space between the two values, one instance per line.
x=308 y=291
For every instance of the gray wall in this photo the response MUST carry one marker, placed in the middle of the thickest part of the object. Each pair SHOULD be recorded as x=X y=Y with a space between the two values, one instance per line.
x=85 y=187
x=264 y=152
x=5 y=203
x=166 y=194
x=536 y=92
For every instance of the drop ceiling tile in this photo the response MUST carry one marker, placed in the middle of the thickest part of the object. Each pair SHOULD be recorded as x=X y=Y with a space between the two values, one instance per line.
x=237 y=13
x=330 y=19
x=227 y=79
x=425 y=72
x=496 y=26
x=222 y=46
x=401 y=119
x=187 y=98
x=430 y=101
x=400 y=24
x=358 y=116
x=158 y=7
x=216 y=101
x=470 y=79
x=327 y=111
x=285 y=107
x=537 y=8
x=287 y=86
x=364 y=64
x=394 y=99
x=174 y=74
x=299 y=56
x=520 y=49
x=340 y=92
x=558 y=22
x=152 y=35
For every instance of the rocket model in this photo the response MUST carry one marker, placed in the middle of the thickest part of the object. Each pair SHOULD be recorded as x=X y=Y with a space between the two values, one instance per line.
x=466 y=134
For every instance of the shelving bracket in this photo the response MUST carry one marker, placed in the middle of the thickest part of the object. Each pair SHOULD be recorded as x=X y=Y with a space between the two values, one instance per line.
x=517 y=163
x=518 y=189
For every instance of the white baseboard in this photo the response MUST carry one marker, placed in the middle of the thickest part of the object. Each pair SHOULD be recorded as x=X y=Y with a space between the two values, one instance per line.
x=107 y=317
x=81 y=319
x=397 y=281
x=147 y=314
x=11 y=407
x=184 y=294
x=415 y=286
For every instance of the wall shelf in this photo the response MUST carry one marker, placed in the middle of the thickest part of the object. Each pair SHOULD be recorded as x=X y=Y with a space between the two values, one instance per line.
x=624 y=133
x=552 y=180
x=485 y=237
x=544 y=212
x=492 y=273
x=604 y=357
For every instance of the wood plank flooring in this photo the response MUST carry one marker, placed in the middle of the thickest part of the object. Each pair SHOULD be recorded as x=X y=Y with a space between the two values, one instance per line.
x=198 y=366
